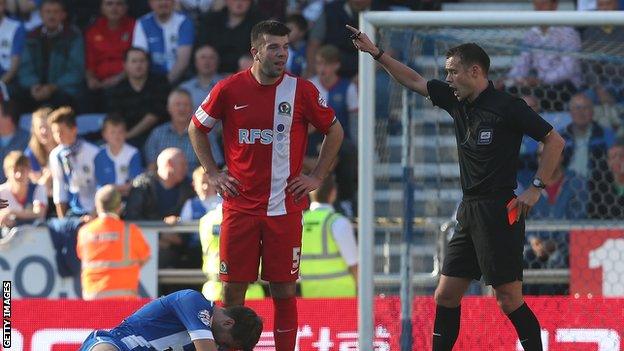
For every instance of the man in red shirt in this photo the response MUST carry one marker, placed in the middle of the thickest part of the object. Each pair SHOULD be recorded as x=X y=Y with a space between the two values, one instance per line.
x=107 y=40
x=265 y=115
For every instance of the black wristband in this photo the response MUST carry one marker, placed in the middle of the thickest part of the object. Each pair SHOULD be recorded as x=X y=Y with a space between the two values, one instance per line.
x=378 y=56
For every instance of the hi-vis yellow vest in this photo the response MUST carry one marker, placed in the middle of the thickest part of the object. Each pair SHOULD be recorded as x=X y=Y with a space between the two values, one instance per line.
x=324 y=273
x=209 y=230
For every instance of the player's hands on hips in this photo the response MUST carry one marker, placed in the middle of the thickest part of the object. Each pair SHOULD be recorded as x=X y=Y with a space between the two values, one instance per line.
x=224 y=183
x=302 y=185
x=524 y=202
x=361 y=41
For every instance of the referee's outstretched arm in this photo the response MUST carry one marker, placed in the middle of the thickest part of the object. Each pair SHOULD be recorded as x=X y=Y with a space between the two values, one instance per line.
x=400 y=72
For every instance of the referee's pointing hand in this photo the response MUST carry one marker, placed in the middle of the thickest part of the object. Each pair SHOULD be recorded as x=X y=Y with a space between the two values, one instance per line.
x=361 y=41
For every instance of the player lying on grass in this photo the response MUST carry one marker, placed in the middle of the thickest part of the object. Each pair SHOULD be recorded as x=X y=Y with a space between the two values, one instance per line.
x=181 y=320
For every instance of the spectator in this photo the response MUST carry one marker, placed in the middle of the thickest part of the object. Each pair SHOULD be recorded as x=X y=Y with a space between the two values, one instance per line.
x=543 y=254
x=565 y=197
x=168 y=37
x=11 y=136
x=106 y=42
x=607 y=199
x=586 y=141
x=27 y=201
x=195 y=208
x=117 y=162
x=25 y=11
x=330 y=29
x=140 y=97
x=558 y=75
x=205 y=201
x=160 y=195
x=39 y=147
x=228 y=32
x=195 y=9
x=72 y=166
x=341 y=95
x=210 y=233
x=603 y=77
x=206 y=63
x=112 y=251
x=52 y=67
x=245 y=62
x=297 y=47
x=12 y=37
x=329 y=259
x=173 y=133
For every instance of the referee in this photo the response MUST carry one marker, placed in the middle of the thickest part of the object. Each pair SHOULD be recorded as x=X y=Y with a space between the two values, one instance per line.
x=488 y=242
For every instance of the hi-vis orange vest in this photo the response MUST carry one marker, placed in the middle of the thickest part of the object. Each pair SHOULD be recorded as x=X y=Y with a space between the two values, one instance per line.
x=111 y=251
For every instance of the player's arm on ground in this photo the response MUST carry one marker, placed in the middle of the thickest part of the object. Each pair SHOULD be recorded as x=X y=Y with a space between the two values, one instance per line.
x=400 y=72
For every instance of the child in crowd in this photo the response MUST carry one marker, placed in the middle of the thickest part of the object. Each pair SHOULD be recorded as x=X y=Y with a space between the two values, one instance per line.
x=117 y=162
x=206 y=199
x=27 y=201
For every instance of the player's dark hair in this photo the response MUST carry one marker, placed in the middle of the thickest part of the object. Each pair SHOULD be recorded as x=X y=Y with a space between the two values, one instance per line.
x=114 y=119
x=134 y=48
x=63 y=115
x=299 y=21
x=270 y=27
x=247 y=326
x=470 y=54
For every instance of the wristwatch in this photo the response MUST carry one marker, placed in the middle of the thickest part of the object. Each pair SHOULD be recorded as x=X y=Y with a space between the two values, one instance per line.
x=537 y=182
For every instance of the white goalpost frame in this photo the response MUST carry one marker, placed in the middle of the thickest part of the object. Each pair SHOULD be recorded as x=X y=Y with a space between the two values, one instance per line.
x=369 y=21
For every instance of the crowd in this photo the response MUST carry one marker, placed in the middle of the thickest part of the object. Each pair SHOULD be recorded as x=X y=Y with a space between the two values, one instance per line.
x=146 y=65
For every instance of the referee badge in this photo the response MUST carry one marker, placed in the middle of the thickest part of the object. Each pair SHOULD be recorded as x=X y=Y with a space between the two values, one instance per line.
x=484 y=136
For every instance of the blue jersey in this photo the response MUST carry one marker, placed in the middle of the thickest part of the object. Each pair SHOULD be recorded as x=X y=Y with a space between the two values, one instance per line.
x=117 y=169
x=171 y=322
x=12 y=39
x=72 y=169
x=162 y=40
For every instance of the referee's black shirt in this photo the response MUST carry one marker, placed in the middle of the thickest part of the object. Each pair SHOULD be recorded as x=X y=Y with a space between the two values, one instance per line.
x=489 y=132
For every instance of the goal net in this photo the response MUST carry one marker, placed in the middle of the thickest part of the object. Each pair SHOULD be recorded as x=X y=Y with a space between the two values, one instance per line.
x=548 y=59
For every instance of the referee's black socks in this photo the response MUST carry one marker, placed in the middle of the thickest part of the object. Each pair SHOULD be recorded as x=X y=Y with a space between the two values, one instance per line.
x=527 y=327
x=445 y=328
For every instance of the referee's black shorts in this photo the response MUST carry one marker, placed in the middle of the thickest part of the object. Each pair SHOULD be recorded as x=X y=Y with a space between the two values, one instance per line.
x=484 y=242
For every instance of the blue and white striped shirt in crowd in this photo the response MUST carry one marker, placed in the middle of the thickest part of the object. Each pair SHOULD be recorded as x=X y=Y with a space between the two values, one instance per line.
x=117 y=169
x=162 y=40
x=73 y=180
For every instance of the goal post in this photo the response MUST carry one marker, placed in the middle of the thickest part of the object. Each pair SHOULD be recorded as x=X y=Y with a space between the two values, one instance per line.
x=370 y=23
